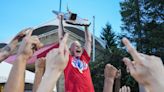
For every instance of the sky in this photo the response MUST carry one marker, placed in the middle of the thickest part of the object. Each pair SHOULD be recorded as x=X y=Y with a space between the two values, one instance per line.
x=16 y=15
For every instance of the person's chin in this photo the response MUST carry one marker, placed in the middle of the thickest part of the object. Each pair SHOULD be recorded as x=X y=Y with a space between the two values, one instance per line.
x=78 y=55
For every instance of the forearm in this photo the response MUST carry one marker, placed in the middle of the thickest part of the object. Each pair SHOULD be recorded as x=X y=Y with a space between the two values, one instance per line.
x=60 y=29
x=117 y=84
x=15 y=81
x=108 y=85
x=38 y=77
x=87 y=41
x=50 y=79
x=87 y=35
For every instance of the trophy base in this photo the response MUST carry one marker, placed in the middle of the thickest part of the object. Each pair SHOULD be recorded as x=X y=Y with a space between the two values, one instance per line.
x=77 y=23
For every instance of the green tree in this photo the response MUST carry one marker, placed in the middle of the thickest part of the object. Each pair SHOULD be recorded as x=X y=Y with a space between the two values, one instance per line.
x=108 y=36
x=143 y=23
x=132 y=23
x=112 y=54
x=154 y=27
x=143 y=20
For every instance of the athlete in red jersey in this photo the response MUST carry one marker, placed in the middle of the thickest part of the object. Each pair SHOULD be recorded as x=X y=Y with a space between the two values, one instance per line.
x=77 y=72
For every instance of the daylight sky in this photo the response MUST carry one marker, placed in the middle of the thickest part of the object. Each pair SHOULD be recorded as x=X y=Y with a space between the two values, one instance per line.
x=19 y=14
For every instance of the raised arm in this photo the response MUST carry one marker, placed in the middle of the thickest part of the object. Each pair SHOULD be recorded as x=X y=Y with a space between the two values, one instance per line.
x=56 y=61
x=110 y=74
x=39 y=71
x=8 y=49
x=117 y=81
x=15 y=82
x=60 y=27
x=88 y=41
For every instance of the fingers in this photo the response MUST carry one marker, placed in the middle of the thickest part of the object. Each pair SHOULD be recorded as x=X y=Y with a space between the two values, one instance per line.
x=110 y=67
x=118 y=74
x=24 y=33
x=128 y=89
x=125 y=89
x=29 y=32
x=35 y=40
x=127 y=70
x=133 y=52
x=34 y=43
x=60 y=16
x=20 y=35
x=28 y=35
x=110 y=71
x=129 y=64
x=40 y=62
x=30 y=43
x=63 y=44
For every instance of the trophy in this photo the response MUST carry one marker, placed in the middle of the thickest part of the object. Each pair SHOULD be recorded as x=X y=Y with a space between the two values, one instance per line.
x=73 y=18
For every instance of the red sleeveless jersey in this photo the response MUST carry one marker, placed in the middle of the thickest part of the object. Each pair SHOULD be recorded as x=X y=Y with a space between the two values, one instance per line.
x=77 y=74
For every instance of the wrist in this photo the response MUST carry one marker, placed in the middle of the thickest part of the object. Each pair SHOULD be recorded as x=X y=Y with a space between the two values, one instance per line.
x=22 y=58
x=37 y=69
x=20 y=62
x=111 y=80
x=50 y=78
x=53 y=71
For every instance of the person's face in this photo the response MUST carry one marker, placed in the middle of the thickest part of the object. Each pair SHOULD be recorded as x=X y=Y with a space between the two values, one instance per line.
x=76 y=49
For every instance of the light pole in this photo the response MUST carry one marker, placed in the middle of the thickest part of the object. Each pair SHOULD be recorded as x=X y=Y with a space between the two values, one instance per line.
x=93 y=56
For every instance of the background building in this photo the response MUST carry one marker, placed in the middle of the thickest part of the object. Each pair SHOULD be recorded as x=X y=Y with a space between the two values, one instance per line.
x=48 y=34
x=5 y=71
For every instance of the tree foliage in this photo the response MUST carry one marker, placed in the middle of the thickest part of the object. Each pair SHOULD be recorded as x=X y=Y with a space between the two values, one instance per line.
x=146 y=30
x=113 y=54
x=143 y=24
